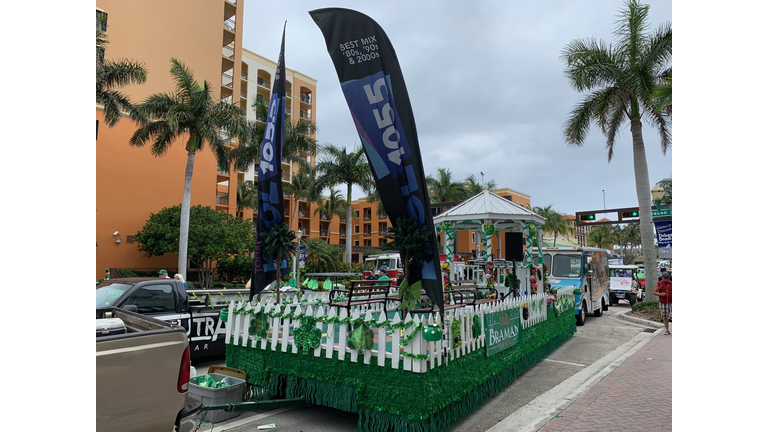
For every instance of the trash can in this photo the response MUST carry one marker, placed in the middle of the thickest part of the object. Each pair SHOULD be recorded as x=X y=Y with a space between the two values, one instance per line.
x=214 y=396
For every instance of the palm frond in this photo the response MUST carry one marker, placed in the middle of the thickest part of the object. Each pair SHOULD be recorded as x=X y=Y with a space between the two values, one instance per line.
x=590 y=63
x=578 y=122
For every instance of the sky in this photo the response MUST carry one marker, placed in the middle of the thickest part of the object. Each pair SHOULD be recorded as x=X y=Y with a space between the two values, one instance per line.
x=487 y=89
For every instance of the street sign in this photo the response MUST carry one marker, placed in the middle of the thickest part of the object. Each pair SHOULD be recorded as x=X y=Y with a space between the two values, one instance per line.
x=662 y=212
x=302 y=255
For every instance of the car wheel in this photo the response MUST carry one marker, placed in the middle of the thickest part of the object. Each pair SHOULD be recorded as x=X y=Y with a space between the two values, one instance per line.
x=598 y=312
x=582 y=316
x=605 y=306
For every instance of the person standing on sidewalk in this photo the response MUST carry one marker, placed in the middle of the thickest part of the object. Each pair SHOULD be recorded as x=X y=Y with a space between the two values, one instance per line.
x=663 y=290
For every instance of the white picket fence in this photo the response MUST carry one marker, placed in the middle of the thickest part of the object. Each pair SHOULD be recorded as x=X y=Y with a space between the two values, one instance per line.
x=416 y=355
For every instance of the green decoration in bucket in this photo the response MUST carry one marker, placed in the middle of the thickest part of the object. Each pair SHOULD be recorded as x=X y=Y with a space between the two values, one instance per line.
x=432 y=333
x=327 y=285
x=259 y=325
x=307 y=336
x=361 y=337
x=224 y=315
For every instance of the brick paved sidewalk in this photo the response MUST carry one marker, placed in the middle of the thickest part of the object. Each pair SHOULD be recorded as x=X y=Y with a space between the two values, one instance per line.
x=636 y=396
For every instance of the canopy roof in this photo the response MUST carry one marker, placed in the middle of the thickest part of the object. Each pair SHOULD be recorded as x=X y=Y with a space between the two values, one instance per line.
x=488 y=207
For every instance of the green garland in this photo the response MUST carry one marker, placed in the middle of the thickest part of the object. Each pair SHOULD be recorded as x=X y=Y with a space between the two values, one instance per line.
x=456 y=333
x=395 y=399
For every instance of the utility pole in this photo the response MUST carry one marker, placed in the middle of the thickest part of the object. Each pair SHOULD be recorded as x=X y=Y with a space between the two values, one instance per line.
x=603 y=199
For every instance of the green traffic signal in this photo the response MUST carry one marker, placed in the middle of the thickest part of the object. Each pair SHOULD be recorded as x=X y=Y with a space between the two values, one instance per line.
x=630 y=214
x=587 y=217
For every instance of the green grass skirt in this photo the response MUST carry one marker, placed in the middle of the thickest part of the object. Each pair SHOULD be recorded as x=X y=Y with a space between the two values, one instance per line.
x=389 y=399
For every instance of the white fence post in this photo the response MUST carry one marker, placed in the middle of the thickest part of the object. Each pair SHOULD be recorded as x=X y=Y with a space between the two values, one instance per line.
x=342 y=336
x=331 y=331
x=367 y=352
x=355 y=315
x=396 y=343
x=381 y=354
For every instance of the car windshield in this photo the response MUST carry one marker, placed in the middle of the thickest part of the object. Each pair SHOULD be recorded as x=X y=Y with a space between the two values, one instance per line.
x=108 y=293
x=547 y=261
x=566 y=266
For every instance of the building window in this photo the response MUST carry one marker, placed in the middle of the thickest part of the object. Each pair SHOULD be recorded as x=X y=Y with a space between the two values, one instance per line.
x=357 y=229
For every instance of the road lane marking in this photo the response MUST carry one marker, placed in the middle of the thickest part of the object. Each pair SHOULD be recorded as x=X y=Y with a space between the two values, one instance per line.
x=245 y=421
x=565 y=362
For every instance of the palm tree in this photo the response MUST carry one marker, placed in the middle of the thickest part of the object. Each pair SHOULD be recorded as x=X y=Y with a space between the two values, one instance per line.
x=666 y=184
x=663 y=97
x=278 y=242
x=336 y=167
x=297 y=141
x=633 y=239
x=622 y=79
x=444 y=189
x=334 y=205
x=191 y=114
x=113 y=74
x=299 y=189
x=600 y=236
x=247 y=196
x=474 y=188
x=555 y=223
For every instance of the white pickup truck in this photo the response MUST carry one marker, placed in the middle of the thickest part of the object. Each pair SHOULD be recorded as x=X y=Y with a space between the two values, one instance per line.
x=142 y=374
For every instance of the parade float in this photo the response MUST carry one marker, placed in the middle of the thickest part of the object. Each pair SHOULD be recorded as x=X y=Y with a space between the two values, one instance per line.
x=404 y=361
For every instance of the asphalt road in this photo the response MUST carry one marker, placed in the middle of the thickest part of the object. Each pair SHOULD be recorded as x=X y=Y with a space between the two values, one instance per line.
x=598 y=338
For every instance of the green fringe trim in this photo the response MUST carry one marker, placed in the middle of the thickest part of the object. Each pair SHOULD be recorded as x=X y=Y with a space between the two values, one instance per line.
x=394 y=399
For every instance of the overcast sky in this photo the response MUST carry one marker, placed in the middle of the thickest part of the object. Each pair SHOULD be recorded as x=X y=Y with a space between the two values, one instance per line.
x=487 y=89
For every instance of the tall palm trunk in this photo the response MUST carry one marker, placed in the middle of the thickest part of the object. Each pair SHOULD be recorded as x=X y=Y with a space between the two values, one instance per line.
x=184 y=225
x=348 y=249
x=642 y=185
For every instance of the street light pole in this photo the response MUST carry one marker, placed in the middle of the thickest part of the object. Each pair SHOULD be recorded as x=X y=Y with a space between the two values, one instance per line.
x=604 y=199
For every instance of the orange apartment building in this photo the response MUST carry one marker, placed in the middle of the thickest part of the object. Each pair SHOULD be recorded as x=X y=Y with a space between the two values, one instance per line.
x=131 y=184
x=206 y=35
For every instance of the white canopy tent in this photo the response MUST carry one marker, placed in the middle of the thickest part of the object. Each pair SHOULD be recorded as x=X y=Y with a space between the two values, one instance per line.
x=488 y=213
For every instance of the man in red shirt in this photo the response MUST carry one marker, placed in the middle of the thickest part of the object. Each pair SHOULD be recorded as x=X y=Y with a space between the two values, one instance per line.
x=663 y=289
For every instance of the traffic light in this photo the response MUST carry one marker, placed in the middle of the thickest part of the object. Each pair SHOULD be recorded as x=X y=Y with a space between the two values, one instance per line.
x=630 y=214
x=587 y=217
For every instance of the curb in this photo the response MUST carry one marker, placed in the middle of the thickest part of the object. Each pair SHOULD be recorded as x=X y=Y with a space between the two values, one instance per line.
x=622 y=315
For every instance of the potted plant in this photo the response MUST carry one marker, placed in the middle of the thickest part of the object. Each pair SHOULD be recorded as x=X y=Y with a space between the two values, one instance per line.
x=407 y=237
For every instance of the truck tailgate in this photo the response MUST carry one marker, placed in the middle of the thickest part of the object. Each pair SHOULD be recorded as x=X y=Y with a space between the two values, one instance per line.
x=131 y=376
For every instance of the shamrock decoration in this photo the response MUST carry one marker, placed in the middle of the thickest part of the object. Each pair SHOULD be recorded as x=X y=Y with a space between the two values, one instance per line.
x=361 y=337
x=488 y=228
x=259 y=326
x=307 y=336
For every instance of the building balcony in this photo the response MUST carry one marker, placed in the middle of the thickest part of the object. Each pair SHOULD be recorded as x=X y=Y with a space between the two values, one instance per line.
x=383 y=233
x=303 y=214
x=306 y=115
x=244 y=76
x=366 y=234
x=306 y=98
x=343 y=235
x=244 y=94
x=226 y=80
x=262 y=82
x=222 y=198
x=382 y=215
x=230 y=24
x=367 y=217
x=324 y=216
x=228 y=52
x=222 y=172
x=323 y=233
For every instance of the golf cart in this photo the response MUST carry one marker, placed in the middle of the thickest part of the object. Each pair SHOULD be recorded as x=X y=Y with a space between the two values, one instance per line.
x=625 y=284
